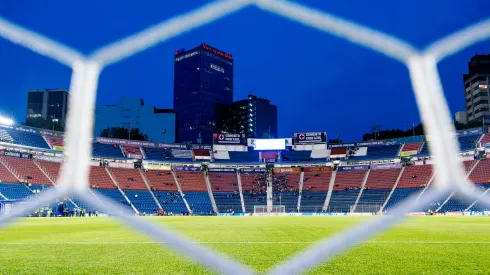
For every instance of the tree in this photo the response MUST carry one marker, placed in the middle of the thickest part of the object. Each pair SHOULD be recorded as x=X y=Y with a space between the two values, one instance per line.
x=123 y=133
x=42 y=123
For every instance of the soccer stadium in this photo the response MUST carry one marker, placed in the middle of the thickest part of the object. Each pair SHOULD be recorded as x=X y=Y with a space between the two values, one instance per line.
x=96 y=179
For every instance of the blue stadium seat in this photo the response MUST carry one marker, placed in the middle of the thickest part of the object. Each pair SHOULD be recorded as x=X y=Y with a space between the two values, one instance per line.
x=199 y=202
x=116 y=196
x=342 y=200
x=372 y=200
x=143 y=201
x=23 y=138
x=467 y=143
x=171 y=202
x=288 y=199
x=478 y=206
x=296 y=155
x=106 y=150
x=312 y=201
x=379 y=152
x=14 y=191
x=164 y=154
x=399 y=195
x=251 y=201
x=244 y=156
x=227 y=202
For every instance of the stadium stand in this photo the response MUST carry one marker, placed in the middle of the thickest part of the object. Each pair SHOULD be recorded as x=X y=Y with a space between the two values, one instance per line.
x=296 y=155
x=378 y=186
x=15 y=191
x=414 y=146
x=143 y=201
x=160 y=180
x=469 y=142
x=23 y=138
x=345 y=190
x=315 y=188
x=52 y=169
x=54 y=141
x=6 y=176
x=132 y=151
x=116 y=196
x=254 y=190
x=161 y=154
x=99 y=178
x=26 y=170
x=485 y=140
x=184 y=155
x=480 y=206
x=194 y=187
x=379 y=152
x=225 y=191
x=481 y=173
x=106 y=150
x=128 y=179
x=241 y=157
x=286 y=190
x=171 y=202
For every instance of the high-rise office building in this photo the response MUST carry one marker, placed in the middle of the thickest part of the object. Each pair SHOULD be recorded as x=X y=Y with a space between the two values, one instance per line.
x=476 y=87
x=203 y=78
x=50 y=105
x=131 y=113
x=255 y=117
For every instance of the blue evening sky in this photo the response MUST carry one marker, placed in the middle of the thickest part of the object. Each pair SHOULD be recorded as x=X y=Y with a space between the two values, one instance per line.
x=318 y=81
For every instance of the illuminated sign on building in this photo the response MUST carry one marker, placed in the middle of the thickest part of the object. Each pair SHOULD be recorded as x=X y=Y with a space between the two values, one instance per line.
x=215 y=51
x=217 y=68
x=186 y=55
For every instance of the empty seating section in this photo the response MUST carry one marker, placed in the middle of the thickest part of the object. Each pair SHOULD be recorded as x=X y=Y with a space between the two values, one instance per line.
x=171 y=202
x=5 y=137
x=225 y=191
x=399 y=195
x=415 y=176
x=485 y=140
x=6 y=176
x=481 y=173
x=191 y=181
x=345 y=190
x=296 y=155
x=99 y=178
x=23 y=138
x=201 y=153
x=457 y=203
x=379 y=152
x=160 y=180
x=128 y=179
x=254 y=190
x=182 y=154
x=106 y=150
x=244 y=156
x=199 y=202
x=468 y=164
x=378 y=187
x=52 y=169
x=26 y=170
x=15 y=191
x=425 y=150
x=116 y=196
x=54 y=141
x=158 y=153
x=143 y=201
x=132 y=151
x=468 y=142
x=382 y=179
x=478 y=206
x=415 y=146
x=315 y=187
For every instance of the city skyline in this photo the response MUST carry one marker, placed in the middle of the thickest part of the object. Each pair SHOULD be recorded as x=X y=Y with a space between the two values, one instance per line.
x=307 y=77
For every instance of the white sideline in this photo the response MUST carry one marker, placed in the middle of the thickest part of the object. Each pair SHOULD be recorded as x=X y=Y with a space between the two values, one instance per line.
x=250 y=243
x=423 y=73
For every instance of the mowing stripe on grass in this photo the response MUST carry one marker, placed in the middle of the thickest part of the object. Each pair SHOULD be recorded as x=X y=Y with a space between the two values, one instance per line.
x=253 y=243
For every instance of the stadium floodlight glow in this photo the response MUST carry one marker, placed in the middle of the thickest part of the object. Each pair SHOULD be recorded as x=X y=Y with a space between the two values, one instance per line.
x=6 y=121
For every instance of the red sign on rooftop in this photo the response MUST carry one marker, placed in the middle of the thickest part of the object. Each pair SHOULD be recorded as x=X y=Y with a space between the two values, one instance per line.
x=215 y=51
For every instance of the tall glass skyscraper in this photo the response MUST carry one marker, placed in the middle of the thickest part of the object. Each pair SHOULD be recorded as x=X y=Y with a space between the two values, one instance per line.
x=203 y=78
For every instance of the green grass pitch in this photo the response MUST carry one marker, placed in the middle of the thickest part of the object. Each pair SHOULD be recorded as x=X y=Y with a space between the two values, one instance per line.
x=421 y=245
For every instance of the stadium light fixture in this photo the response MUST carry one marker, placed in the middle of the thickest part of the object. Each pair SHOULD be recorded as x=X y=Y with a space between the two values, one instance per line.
x=6 y=121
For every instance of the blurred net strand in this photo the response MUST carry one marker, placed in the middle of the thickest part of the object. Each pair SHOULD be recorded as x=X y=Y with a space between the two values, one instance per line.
x=423 y=72
x=38 y=43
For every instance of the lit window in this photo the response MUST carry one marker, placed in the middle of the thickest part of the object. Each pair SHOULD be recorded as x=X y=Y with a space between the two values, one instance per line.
x=483 y=86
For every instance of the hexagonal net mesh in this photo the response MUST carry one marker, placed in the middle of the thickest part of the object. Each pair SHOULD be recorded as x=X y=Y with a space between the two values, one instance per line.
x=430 y=99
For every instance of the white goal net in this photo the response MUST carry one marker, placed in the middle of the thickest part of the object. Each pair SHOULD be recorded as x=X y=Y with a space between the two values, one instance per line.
x=423 y=71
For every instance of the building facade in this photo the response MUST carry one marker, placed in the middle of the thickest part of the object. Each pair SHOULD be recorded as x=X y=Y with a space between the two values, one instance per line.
x=476 y=87
x=131 y=113
x=203 y=78
x=49 y=104
x=256 y=117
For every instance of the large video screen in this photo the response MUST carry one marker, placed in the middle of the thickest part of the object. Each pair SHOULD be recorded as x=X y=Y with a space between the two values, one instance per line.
x=270 y=144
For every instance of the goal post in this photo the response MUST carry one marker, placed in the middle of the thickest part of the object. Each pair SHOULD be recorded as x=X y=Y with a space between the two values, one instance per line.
x=275 y=210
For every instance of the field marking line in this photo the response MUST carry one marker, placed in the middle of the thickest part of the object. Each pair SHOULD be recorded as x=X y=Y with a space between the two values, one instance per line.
x=231 y=242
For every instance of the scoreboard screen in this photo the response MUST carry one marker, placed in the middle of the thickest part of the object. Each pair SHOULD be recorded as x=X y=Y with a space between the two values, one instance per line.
x=270 y=144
